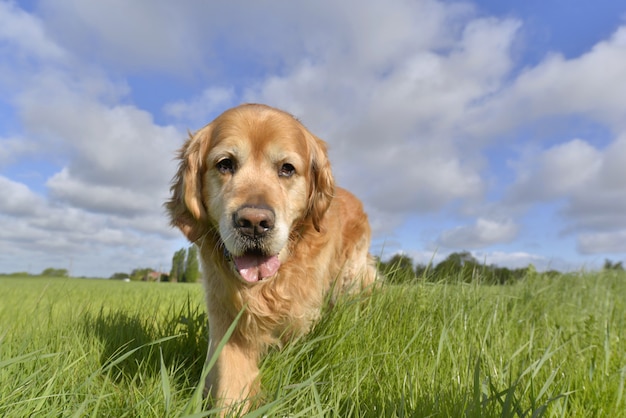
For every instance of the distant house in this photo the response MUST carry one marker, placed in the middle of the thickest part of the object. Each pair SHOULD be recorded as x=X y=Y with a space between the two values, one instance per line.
x=156 y=276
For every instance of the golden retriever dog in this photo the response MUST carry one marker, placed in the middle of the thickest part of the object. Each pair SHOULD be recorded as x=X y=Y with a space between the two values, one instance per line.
x=255 y=193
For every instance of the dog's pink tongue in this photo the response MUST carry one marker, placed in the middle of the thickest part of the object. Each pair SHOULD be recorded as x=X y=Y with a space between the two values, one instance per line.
x=256 y=267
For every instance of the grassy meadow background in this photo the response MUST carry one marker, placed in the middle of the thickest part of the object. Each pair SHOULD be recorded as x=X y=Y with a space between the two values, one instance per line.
x=542 y=346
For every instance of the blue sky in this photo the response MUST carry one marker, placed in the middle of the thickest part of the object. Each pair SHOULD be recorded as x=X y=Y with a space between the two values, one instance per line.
x=496 y=127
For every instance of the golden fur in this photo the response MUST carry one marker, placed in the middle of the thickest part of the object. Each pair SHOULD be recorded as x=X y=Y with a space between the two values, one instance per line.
x=256 y=185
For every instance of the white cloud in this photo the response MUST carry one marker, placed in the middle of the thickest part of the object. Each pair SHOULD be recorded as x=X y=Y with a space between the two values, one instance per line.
x=602 y=242
x=586 y=177
x=12 y=149
x=557 y=171
x=99 y=198
x=17 y=198
x=120 y=159
x=126 y=35
x=36 y=233
x=103 y=207
x=591 y=85
x=601 y=205
x=483 y=233
x=26 y=34
x=200 y=110
x=590 y=183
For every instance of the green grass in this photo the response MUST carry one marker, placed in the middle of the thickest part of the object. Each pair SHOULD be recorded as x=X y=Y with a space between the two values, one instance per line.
x=540 y=347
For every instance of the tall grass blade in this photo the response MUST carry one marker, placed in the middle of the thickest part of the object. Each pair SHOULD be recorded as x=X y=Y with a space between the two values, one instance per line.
x=195 y=403
x=165 y=384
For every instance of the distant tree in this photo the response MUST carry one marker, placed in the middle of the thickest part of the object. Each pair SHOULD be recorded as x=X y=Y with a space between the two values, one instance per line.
x=178 y=266
x=422 y=269
x=524 y=272
x=52 y=272
x=531 y=271
x=192 y=270
x=398 y=269
x=140 y=274
x=462 y=259
x=18 y=274
x=610 y=265
x=500 y=275
x=552 y=274
x=458 y=267
x=119 y=276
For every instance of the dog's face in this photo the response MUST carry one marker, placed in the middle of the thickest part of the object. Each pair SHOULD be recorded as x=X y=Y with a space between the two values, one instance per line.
x=251 y=175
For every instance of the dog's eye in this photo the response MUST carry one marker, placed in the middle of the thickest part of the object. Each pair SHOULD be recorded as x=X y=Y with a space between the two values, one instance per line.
x=287 y=170
x=225 y=166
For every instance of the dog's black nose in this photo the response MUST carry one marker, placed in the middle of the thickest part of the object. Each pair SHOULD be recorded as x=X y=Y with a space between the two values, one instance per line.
x=254 y=221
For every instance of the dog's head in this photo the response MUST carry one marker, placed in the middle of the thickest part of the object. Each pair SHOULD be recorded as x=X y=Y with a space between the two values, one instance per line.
x=251 y=176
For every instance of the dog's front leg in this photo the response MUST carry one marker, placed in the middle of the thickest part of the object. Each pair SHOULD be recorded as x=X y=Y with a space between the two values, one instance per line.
x=233 y=380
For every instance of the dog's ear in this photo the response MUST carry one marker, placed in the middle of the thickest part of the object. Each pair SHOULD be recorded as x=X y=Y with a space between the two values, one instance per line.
x=185 y=207
x=322 y=183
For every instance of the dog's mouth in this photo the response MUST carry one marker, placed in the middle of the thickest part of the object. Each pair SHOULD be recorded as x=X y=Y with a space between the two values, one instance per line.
x=254 y=266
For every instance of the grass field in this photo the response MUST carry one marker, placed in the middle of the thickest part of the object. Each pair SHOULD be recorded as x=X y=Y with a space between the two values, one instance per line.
x=541 y=347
